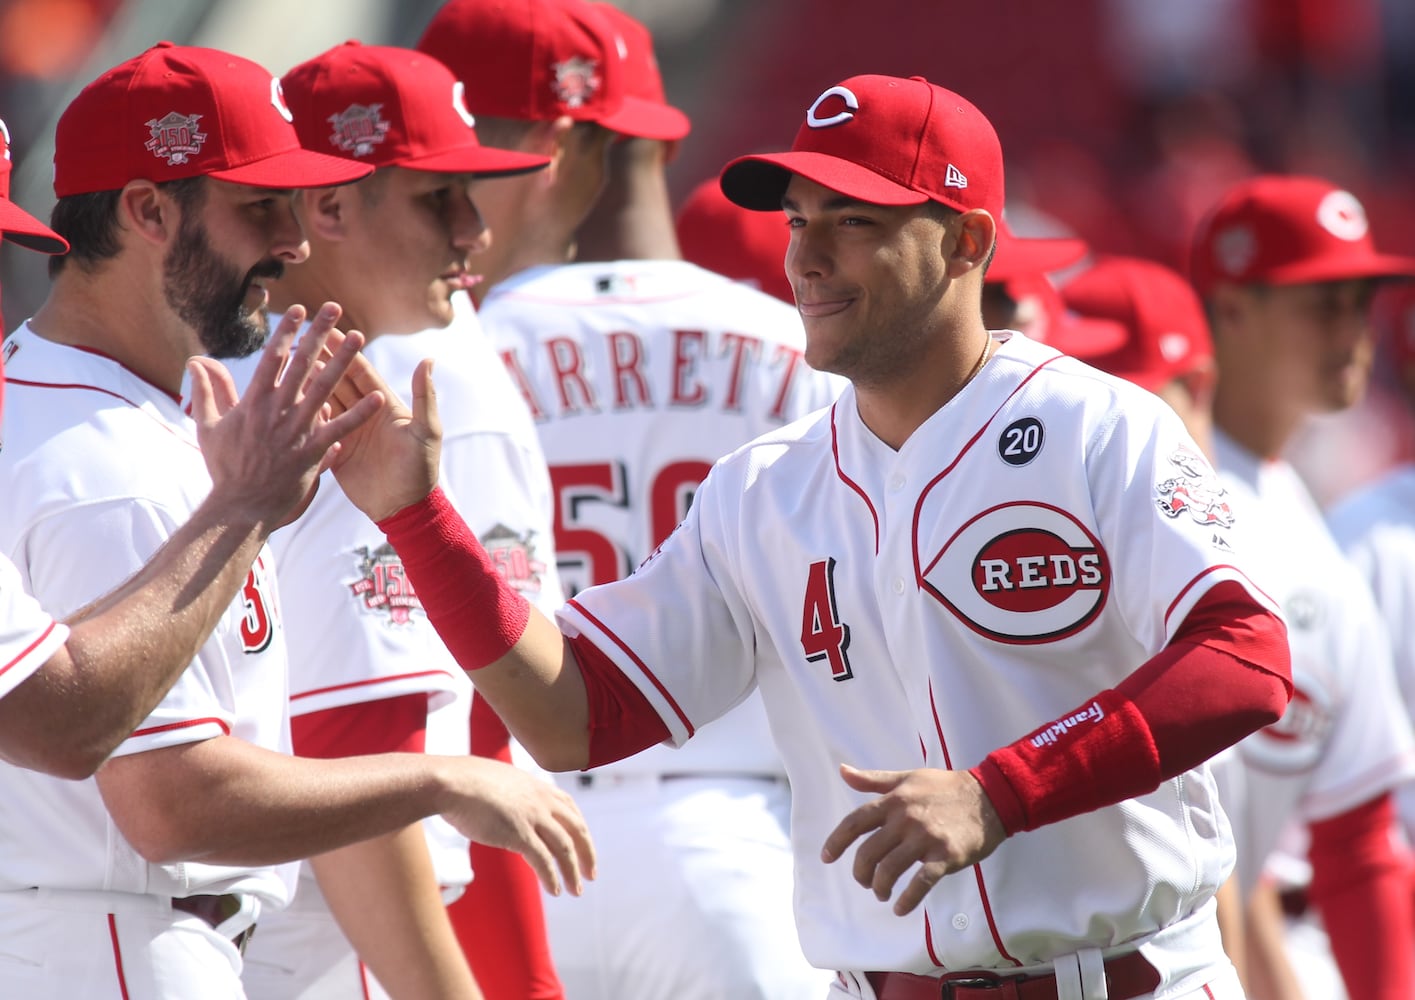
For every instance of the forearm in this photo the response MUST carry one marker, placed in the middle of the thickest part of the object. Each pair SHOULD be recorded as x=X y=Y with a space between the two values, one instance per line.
x=519 y=659
x=385 y=896
x=224 y=801
x=1361 y=886
x=127 y=648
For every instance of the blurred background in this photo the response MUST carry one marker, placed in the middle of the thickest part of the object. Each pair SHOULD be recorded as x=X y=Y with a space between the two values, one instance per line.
x=1121 y=120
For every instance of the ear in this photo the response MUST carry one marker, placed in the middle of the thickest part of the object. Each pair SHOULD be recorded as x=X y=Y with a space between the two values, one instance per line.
x=1228 y=304
x=144 y=210
x=976 y=233
x=324 y=212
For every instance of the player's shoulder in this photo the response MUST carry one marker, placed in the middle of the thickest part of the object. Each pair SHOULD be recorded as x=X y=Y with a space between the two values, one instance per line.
x=804 y=439
x=1039 y=376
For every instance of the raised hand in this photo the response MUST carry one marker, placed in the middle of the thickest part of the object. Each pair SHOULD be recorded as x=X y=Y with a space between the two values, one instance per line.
x=266 y=449
x=392 y=461
x=940 y=820
x=502 y=806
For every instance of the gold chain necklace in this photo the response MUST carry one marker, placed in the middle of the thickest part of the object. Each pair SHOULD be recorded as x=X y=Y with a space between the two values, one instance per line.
x=982 y=360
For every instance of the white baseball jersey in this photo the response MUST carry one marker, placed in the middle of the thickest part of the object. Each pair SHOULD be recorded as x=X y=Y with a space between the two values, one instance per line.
x=641 y=374
x=1031 y=544
x=1345 y=737
x=1376 y=528
x=28 y=635
x=100 y=467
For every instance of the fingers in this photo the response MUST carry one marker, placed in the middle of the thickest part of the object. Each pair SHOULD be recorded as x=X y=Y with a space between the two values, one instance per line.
x=277 y=350
x=861 y=821
x=213 y=391
x=928 y=876
x=425 y=398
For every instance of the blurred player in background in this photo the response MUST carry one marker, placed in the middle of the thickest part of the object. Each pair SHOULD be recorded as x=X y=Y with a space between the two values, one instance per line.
x=368 y=673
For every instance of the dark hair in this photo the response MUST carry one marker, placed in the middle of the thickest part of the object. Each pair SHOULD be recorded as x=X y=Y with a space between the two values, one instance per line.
x=90 y=221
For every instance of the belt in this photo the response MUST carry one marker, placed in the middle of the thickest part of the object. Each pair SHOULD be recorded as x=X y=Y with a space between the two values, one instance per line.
x=216 y=910
x=610 y=779
x=1126 y=976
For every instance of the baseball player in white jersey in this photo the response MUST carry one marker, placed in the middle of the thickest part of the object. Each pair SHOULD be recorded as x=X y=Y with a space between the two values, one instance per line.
x=981 y=642
x=368 y=672
x=641 y=370
x=145 y=881
x=1339 y=744
x=105 y=670
x=1287 y=266
x=1375 y=525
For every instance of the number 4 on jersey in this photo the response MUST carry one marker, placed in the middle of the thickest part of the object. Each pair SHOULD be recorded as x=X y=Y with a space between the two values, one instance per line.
x=823 y=635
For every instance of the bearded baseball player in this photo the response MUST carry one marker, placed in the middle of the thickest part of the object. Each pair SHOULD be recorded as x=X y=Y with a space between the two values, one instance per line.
x=994 y=665
x=174 y=173
x=368 y=673
x=1286 y=267
x=71 y=692
x=641 y=370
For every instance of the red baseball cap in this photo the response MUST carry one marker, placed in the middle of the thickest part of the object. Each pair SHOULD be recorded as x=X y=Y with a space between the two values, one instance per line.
x=1288 y=230
x=392 y=107
x=535 y=60
x=1166 y=332
x=1025 y=256
x=17 y=225
x=643 y=82
x=183 y=111
x=726 y=238
x=883 y=140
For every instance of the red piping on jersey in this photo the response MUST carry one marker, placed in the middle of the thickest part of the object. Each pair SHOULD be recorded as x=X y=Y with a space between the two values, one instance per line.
x=919 y=505
x=107 y=392
x=1194 y=582
x=117 y=956
x=24 y=653
x=658 y=685
x=182 y=725
x=369 y=682
x=835 y=452
x=977 y=868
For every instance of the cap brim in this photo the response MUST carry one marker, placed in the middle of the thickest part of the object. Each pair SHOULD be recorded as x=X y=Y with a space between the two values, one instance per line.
x=295 y=168
x=1023 y=256
x=23 y=229
x=1341 y=268
x=1085 y=337
x=648 y=120
x=484 y=161
x=759 y=182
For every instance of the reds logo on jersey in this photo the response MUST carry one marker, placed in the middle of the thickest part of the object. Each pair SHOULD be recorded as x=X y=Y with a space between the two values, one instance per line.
x=514 y=557
x=1196 y=492
x=383 y=587
x=175 y=138
x=1022 y=572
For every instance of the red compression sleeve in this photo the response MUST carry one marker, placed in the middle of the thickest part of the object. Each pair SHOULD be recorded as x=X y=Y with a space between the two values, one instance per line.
x=389 y=725
x=1361 y=885
x=622 y=722
x=499 y=919
x=476 y=612
x=1226 y=673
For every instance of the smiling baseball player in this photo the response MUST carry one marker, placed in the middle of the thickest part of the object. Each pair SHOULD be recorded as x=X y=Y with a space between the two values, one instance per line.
x=994 y=664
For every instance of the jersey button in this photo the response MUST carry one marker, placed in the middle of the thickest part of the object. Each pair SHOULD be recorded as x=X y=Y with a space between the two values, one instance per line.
x=960 y=921
x=897 y=483
x=899 y=585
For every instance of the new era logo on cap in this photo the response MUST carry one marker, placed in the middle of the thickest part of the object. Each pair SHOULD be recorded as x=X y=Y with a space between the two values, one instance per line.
x=886 y=141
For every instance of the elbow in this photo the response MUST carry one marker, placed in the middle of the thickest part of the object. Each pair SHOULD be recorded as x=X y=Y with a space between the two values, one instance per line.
x=558 y=757
x=58 y=759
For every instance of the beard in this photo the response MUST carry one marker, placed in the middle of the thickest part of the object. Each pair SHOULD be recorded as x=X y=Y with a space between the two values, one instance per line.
x=209 y=294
